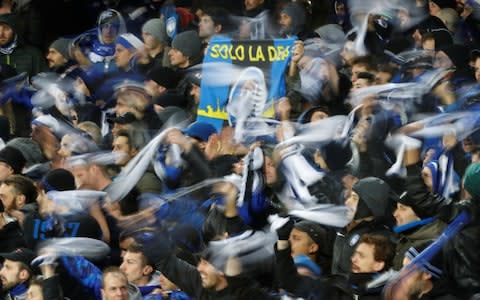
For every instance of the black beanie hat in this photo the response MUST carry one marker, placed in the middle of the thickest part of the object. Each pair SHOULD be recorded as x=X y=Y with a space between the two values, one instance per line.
x=14 y=158
x=58 y=180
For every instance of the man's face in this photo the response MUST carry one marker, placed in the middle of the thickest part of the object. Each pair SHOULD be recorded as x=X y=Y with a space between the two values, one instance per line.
x=6 y=34
x=363 y=260
x=8 y=197
x=115 y=287
x=357 y=69
x=149 y=41
x=34 y=292
x=209 y=274
x=427 y=178
x=120 y=144
x=206 y=27
x=66 y=146
x=5 y=170
x=270 y=171
x=12 y=274
x=122 y=56
x=285 y=21
x=477 y=69
x=109 y=33
x=55 y=59
x=301 y=243
x=177 y=59
x=153 y=88
x=347 y=53
x=83 y=178
x=195 y=93
x=134 y=267
x=252 y=4
x=404 y=214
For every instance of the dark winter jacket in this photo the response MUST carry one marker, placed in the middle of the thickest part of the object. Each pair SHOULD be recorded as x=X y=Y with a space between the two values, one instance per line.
x=188 y=279
x=334 y=288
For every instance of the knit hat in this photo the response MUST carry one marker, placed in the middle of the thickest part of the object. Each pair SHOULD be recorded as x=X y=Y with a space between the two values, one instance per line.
x=163 y=76
x=471 y=180
x=200 y=130
x=189 y=43
x=331 y=34
x=62 y=45
x=298 y=15
x=316 y=232
x=129 y=41
x=156 y=28
x=10 y=20
x=427 y=207
x=14 y=158
x=30 y=150
x=58 y=180
x=195 y=77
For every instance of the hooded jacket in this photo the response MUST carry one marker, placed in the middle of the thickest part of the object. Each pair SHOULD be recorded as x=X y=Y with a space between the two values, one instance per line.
x=24 y=58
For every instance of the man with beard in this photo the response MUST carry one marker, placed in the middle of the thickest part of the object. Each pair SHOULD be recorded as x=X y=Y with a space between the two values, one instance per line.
x=15 y=273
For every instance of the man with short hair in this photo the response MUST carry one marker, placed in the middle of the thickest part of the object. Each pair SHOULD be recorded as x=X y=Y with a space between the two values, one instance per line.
x=115 y=286
x=213 y=21
x=373 y=254
x=15 y=273
x=139 y=270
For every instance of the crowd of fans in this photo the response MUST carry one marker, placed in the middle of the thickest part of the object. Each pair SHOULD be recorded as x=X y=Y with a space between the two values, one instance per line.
x=365 y=183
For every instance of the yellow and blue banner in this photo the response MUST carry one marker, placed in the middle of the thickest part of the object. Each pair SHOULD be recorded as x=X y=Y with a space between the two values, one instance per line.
x=270 y=56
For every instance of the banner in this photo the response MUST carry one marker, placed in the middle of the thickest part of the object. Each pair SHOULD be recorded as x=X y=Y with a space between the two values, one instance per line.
x=270 y=56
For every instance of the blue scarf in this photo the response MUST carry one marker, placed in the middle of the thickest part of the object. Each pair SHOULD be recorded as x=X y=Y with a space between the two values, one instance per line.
x=147 y=289
x=8 y=49
x=408 y=226
x=18 y=290
x=103 y=50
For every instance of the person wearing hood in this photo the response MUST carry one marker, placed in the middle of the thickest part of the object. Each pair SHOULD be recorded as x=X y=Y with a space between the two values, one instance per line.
x=371 y=201
x=293 y=20
x=14 y=52
x=415 y=224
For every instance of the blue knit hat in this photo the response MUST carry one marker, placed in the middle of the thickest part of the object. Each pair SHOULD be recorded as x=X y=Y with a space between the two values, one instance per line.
x=129 y=41
x=200 y=130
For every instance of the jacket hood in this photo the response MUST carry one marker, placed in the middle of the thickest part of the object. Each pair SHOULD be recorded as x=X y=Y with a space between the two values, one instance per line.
x=376 y=194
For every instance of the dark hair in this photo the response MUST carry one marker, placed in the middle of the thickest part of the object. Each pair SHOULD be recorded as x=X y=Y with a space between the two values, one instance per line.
x=367 y=61
x=112 y=269
x=219 y=16
x=215 y=225
x=384 y=249
x=23 y=186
